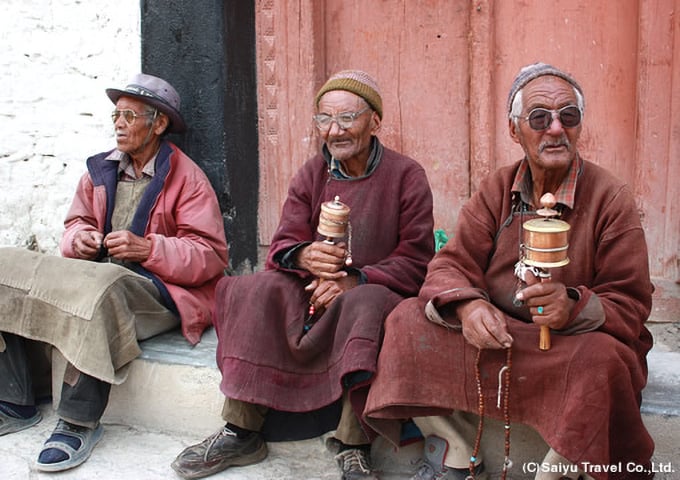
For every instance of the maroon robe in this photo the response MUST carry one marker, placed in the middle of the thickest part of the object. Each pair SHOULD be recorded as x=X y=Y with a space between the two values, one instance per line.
x=263 y=355
x=583 y=395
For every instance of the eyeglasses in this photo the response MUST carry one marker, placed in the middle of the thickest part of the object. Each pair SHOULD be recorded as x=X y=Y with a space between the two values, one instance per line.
x=541 y=118
x=129 y=116
x=344 y=120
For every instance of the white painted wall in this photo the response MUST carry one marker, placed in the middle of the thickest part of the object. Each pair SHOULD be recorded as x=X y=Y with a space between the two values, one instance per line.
x=56 y=59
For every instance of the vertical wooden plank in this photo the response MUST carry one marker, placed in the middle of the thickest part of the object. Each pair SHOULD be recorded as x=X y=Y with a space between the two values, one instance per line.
x=672 y=237
x=657 y=188
x=482 y=101
x=433 y=95
x=289 y=45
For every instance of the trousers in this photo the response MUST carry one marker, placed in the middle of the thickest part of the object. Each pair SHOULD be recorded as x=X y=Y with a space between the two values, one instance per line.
x=251 y=417
x=459 y=431
x=83 y=397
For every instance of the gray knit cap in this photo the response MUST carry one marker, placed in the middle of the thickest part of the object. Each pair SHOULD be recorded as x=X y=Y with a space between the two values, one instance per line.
x=532 y=72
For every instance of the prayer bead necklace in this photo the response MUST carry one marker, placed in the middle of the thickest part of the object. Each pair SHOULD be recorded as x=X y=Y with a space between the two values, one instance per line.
x=504 y=392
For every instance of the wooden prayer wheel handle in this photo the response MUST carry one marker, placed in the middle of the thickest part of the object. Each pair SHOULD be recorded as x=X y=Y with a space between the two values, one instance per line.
x=544 y=336
x=544 y=339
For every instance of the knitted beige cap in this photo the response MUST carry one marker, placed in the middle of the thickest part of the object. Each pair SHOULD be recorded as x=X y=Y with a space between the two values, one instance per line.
x=533 y=71
x=357 y=82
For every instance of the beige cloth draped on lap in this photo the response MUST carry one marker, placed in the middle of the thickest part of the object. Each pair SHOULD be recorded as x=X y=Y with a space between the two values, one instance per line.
x=87 y=310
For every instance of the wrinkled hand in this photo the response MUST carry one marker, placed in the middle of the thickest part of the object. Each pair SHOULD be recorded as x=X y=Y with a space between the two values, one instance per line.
x=86 y=244
x=323 y=260
x=483 y=324
x=552 y=296
x=324 y=292
x=125 y=245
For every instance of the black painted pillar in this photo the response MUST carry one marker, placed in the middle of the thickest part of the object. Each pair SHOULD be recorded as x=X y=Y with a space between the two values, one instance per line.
x=206 y=50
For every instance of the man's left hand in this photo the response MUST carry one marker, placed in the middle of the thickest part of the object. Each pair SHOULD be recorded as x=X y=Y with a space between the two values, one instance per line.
x=547 y=301
x=324 y=292
x=125 y=245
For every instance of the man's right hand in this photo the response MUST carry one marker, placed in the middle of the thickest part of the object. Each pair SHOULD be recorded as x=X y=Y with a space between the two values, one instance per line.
x=483 y=324
x=323 y=260
x=86 y=244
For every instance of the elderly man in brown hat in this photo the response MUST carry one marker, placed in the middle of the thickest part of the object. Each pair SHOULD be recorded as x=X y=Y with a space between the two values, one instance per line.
x=142 y=252
x=469 y=345
x=304 y=334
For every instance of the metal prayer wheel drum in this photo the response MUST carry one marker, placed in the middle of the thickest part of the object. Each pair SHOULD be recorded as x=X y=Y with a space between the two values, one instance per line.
x=545 y=242
x=333 y=219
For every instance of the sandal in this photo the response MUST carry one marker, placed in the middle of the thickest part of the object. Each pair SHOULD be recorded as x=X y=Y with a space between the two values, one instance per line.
x=68 y=446
x=10 y=423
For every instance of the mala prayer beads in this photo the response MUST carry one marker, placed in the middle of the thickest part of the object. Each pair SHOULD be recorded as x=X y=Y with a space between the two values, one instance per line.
x=504 y=393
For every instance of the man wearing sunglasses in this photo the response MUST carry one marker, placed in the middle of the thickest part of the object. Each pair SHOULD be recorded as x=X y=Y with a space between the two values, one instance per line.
x=142 y=251
x=475 y=325
x=298 y=342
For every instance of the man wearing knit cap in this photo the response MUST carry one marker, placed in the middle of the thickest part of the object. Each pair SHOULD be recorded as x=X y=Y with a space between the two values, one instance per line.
x=298 y=342
x=468 y=346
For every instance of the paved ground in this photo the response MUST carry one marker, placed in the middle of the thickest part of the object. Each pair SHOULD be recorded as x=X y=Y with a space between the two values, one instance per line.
x=127 y=453
x=135 y=454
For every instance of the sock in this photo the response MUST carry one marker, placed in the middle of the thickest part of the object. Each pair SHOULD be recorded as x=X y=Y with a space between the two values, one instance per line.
x=17 y=411
x=365 y=447
x=240 y=432
x=56 y=455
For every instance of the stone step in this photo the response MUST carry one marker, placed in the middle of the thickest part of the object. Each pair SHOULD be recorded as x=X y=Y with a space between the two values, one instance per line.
x=174 y=388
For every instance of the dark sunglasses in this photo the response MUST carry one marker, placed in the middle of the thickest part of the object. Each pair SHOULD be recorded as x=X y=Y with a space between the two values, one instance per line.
x=541 y=118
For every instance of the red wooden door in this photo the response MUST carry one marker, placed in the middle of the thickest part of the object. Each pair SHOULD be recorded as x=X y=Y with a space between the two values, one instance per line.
x=445 y=67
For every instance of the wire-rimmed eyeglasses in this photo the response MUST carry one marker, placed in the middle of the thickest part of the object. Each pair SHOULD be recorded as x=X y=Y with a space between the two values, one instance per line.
x=130 y=116
x=344 y=120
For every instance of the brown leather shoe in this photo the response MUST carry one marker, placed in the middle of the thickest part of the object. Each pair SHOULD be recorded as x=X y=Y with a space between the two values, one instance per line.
x=221 y=450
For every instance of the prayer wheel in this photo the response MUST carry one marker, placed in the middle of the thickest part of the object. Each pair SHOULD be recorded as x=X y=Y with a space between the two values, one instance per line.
x=333 y=219
x=546 y=242
x=333 y=224
x=544 y=245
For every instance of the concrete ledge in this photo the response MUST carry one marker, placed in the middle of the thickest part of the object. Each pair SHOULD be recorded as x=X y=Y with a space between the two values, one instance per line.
x=172 y=348
x=660 y=397
x=174 y=388
x=662 y=394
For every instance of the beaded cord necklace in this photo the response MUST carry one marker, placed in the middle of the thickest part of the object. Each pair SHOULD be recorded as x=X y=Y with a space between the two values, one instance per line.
x=504 y=393
x=520 y=209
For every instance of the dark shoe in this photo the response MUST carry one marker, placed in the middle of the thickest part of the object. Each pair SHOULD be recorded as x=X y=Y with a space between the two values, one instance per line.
x=219 y=451
x=355 y=464
x=68 y=446
x=11 y=421
x=433 y=468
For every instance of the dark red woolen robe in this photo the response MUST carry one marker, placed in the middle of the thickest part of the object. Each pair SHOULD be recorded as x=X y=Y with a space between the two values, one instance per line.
x=262 y=354
x=583 y=396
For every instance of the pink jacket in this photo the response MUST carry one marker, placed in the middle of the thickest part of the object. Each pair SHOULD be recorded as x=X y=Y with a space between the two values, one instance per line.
x=179 y=213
